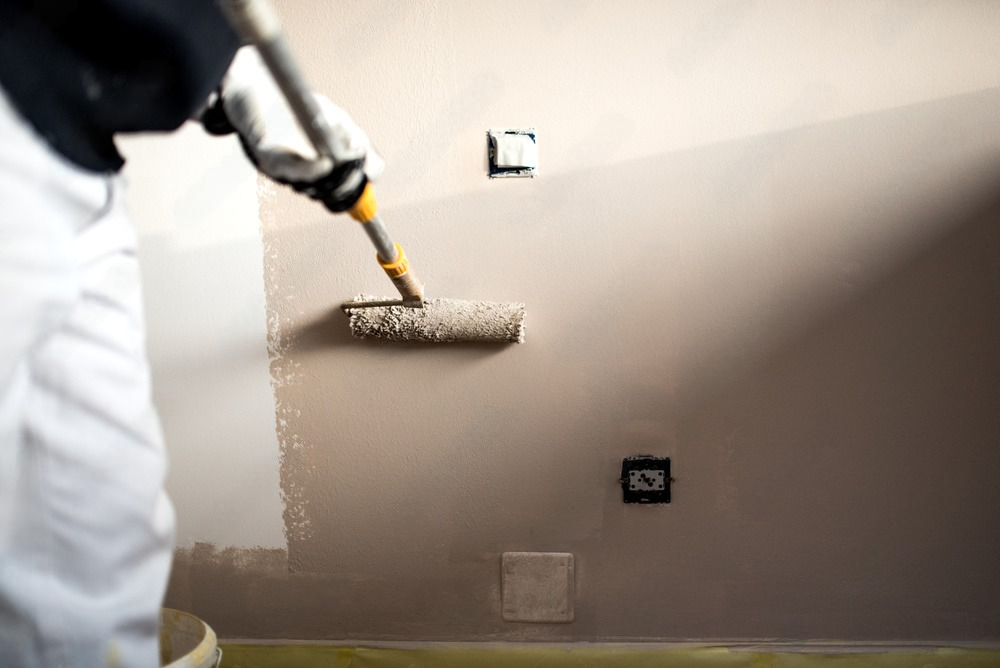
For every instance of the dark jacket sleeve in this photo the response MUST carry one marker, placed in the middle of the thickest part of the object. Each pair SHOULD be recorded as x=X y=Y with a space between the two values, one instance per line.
x=82 y=71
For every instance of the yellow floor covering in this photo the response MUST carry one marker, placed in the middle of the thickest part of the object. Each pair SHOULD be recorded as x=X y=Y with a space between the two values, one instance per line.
x=325 y=656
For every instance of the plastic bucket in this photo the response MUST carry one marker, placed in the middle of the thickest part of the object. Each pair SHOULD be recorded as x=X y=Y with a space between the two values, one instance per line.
x=186 y=641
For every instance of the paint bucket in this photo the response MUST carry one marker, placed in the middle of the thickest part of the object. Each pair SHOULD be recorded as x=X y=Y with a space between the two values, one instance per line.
x=186 y=641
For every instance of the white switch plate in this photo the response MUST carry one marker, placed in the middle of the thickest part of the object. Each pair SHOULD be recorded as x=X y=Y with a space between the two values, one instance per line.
x=525 y=148
x=537 y=587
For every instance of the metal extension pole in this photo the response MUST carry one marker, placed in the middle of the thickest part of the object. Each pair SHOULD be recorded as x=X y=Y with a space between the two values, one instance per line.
x=257 y=23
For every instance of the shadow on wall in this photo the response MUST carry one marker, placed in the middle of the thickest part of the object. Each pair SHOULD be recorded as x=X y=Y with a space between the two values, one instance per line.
x=850 y=470
x=806 y=322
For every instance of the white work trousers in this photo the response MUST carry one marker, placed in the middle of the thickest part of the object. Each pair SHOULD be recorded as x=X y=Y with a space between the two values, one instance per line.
x=86 y=530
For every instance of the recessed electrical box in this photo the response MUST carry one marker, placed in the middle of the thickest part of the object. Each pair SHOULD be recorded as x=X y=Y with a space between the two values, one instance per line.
x=646 y=479
x=513 y=152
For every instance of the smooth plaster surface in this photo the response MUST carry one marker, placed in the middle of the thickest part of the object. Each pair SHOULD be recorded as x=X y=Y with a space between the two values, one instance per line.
x=765 y=242
x=194 y=202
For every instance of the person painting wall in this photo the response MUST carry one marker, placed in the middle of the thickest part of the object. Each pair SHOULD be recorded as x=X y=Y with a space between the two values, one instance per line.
x=86 y=529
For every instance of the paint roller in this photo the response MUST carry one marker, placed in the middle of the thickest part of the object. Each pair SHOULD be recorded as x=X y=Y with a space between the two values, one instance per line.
x=412 y=318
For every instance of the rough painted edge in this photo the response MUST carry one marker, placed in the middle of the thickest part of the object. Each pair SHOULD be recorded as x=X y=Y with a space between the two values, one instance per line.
x=292 y=449
x=247 y=655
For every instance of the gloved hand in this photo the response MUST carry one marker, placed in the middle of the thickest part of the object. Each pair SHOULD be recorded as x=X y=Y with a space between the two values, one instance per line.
x=255 y=108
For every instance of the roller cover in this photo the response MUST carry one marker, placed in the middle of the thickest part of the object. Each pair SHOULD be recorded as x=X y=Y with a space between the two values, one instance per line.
x=440 y=321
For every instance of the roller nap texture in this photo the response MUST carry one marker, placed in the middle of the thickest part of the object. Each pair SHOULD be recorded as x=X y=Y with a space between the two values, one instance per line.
x=440 y=321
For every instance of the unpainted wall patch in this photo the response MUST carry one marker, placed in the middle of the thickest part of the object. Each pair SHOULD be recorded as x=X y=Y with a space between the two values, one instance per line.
x=537 y=587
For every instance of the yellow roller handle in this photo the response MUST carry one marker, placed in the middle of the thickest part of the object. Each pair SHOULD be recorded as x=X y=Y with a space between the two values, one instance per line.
x=397 y=267
x=365 y=209
x=399 y=273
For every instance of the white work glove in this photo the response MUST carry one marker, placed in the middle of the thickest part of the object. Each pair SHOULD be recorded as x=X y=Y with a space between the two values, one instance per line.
x=274 y=142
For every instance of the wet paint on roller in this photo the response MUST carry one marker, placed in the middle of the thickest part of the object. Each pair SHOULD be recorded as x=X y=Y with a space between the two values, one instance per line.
x=439 y=321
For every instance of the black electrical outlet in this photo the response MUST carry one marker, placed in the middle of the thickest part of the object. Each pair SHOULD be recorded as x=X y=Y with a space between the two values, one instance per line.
x=646 y=479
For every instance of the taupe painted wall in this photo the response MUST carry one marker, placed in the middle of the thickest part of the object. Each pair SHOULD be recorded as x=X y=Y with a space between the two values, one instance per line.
x=765 y=242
